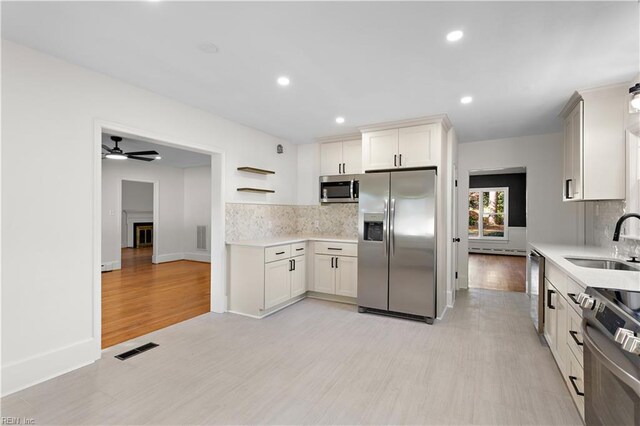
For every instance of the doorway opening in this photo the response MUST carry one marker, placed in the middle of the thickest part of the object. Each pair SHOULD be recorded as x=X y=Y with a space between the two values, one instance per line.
x=497 y=229
x=156 y=236
x=137 y=224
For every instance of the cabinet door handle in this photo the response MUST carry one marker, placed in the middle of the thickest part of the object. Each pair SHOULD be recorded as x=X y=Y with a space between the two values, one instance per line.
x=294 y=264
x=567 y=190
x=575 y=387
x=332 y=262
x=572 y=296
x=336 y=263
x=549 y=293
x=344 y=169
x=290 y=266
x=300 y=249
x=574 y=334
x=339 y=168
x=278 y=253
x=333 y=248
x=400 y=158
x=395 y=160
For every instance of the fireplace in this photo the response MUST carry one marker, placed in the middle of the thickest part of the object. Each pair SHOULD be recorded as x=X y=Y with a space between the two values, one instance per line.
x=143 y=234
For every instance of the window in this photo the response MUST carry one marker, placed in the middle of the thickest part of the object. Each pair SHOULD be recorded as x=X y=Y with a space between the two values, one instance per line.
x=488 y=213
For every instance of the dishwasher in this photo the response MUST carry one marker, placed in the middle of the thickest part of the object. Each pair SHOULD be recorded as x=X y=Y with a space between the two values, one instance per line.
x=536 y=289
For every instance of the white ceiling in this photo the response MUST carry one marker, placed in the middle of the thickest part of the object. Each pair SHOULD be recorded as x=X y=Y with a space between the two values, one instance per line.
x=366 y=61
x=172 y=157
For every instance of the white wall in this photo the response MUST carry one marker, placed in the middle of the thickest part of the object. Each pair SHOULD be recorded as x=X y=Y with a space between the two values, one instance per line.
x=197 y=211
x=50 y=323
x=169 y=229
x=549 y=220
x=308 y=174
x=136 y=197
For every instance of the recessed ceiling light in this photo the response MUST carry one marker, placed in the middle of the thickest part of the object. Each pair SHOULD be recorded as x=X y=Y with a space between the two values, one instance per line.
x=283 y=81
x=208 y=47
x=455 y=35
x=158 y=157
x=339 y=120
x=466 y=100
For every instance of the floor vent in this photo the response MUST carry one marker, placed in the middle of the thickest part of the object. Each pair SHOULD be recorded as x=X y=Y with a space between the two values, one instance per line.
x=136 y=351
x=201 y=237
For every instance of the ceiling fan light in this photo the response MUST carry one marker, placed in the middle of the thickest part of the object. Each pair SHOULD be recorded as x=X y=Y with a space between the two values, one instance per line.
x=116 y=156
x=634 y=98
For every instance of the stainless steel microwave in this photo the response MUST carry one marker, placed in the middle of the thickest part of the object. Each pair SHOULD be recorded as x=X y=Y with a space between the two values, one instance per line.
x=339 y=189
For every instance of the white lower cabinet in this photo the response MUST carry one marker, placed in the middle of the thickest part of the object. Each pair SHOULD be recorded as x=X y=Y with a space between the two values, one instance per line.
x=335 y=269
x=347 y=276
x=299 y=276
x=277 y=283
x=264 y=279
x=562 y=330
x=324 y=275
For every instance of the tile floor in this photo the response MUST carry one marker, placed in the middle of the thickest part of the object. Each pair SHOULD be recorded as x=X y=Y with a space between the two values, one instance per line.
x=319 y=362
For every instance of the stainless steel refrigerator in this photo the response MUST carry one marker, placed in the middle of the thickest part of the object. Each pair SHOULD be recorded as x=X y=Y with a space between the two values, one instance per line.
x=397 y=244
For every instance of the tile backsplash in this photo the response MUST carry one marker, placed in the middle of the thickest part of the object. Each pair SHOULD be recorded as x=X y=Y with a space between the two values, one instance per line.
x=255 y=221
x=604 y=216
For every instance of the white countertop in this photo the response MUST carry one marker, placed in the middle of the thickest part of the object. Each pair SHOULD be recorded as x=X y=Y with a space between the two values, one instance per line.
x=276 y=241
x=589 y=277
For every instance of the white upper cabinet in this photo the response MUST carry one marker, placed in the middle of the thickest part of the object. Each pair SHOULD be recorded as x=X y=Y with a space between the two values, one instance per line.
x=418 y=147
x=341 y=157
x=352 y=156
x=411 y=144
x=594 y=145
x=330 y=158
x=380 y=150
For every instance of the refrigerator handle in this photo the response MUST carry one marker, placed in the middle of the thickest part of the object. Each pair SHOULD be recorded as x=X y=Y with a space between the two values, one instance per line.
x=392 y=221
x=384 y=227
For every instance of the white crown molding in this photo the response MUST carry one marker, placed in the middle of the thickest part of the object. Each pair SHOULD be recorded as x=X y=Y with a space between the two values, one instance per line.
x=439 y=119
x=339 y=138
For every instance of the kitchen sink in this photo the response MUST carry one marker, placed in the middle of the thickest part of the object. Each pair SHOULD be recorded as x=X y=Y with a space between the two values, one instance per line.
x=602 y=264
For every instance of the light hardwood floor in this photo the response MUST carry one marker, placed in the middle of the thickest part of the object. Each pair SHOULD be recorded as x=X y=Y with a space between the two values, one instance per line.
x=143 y=297
x=495 y=272
x=319 y=362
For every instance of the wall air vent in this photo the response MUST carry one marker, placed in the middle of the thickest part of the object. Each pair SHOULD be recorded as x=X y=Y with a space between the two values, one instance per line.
x=201 y=237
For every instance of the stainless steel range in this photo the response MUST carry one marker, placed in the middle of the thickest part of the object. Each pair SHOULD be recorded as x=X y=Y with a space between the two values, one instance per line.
x=611 y=326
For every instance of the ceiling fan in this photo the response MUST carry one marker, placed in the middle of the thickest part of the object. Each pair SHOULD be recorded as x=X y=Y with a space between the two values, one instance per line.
x=117 y=154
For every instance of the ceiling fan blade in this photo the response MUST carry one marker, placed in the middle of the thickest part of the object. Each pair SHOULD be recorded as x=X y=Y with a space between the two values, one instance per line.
x=106 y=148
x=133 y=157
x=142 y=153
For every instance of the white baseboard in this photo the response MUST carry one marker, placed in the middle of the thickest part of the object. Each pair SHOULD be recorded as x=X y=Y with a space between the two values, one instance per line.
x=111 y=266
x=171 y=257
x=198 y=257
x=40 y=368
x=450 y=300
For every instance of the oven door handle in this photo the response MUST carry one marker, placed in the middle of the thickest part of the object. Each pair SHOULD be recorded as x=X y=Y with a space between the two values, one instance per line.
x=627 y=377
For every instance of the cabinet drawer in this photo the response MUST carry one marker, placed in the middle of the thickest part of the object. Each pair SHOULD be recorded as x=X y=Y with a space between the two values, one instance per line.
x=298 y=249
x=574 y=336
x=337 y=249
x=573 y=290
x=575 y=381
x=271 y=254
x=556 y=277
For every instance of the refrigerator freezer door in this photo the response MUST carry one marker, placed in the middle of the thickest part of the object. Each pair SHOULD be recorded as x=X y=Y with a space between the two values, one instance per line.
x=373 y=272
x=412 y=222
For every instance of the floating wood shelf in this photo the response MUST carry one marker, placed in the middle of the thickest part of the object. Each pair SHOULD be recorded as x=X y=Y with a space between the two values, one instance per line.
x=258 y=190
x=256 y=170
